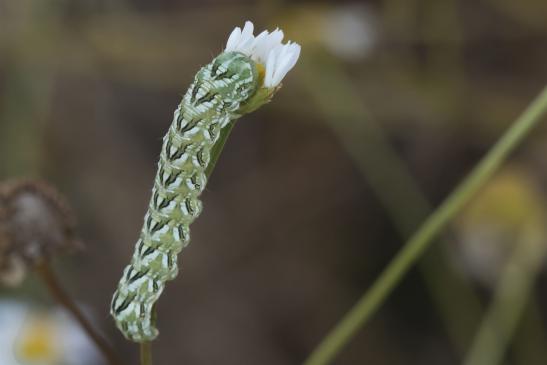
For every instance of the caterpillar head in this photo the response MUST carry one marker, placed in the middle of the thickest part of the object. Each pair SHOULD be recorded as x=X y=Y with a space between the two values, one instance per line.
x=235 y=76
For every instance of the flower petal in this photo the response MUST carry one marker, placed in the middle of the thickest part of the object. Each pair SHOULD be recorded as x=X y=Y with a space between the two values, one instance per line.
x=233 y=40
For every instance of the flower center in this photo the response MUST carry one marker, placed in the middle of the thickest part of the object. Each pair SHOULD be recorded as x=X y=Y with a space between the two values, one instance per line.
x=261 y=69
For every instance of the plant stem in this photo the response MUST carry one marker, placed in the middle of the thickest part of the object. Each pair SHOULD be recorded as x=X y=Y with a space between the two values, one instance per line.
x=530 y=338
x=367 y=144
x=146 y=353
x=218 y=147
x=416 y=245
x=56 y=290
x=512 y=294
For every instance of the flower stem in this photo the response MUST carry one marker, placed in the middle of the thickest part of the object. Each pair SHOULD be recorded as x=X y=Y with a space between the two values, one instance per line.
x=348 y=326
x=56 y=290
x=218 y=147
x=146 y=353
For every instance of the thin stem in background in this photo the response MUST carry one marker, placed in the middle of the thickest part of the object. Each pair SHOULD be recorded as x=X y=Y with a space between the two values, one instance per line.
x=530 y=339
x=399 y=194
x=415 y=247
x=146 y=353
x=512 y=294
x=55 y=288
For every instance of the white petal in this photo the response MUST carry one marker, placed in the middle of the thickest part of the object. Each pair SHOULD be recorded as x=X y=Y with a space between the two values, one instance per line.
x=233 y=40
x=267 y=43
x=258 y=47
x=248 y=29
x=294 y=54
x=282 y=67
x=281 y=61
x=270 y=67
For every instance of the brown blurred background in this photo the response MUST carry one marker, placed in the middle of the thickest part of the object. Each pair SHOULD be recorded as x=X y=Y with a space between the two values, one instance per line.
x=390 y=105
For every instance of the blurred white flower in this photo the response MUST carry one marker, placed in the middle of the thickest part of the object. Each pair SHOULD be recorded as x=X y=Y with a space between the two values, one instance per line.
x=29 y=336
x=349 y=31
x=508 y=212
x=267 y=49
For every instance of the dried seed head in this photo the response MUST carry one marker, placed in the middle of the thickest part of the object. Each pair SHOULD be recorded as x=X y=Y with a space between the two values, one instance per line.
x=35 y=223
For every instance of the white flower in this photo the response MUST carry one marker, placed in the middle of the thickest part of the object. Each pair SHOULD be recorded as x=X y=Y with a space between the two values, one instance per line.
x=350 y=31
x=29 y=335
x=267 y=49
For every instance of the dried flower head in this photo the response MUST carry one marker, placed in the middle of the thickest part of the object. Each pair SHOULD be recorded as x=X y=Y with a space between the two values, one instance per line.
x=35 y=223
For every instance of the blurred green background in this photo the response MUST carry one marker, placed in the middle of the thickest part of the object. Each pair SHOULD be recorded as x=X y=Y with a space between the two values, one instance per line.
x=391 y=104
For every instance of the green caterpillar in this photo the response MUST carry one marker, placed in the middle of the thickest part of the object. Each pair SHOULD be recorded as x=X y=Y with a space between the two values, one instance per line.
x=236 y=82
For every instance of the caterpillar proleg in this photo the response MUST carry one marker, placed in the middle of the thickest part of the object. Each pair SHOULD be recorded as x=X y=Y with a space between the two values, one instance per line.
x=239 y=80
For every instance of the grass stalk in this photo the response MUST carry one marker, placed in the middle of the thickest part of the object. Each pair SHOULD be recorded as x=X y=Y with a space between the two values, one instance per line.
x=417 y=244
x=367 y=144
x=57 y=291
x=510 y=300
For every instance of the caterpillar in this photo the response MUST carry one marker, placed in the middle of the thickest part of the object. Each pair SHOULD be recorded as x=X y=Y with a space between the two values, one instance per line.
x=234 y=83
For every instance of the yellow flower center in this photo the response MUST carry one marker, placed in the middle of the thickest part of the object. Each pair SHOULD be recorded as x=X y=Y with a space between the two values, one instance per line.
x=37 y=342
x=261 y=73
